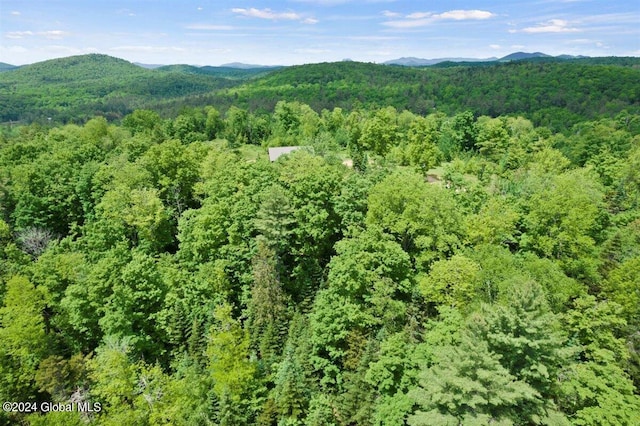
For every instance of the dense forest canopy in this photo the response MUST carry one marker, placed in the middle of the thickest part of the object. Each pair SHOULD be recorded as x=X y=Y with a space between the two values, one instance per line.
x=550 y=92
x=407 y=266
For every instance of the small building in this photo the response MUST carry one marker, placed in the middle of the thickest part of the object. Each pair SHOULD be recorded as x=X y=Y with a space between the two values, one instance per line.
x=276 y=152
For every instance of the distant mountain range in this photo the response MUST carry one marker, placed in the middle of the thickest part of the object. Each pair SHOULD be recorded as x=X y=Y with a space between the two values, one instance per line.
x=234 y=65
x=242 y=66
x=420 y=62
x=76 y=88
x=405 y=61
x=516 y=56
x=6 y=67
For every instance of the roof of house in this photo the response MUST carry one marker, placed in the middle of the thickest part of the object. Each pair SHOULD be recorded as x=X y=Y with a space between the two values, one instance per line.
x=275 y=153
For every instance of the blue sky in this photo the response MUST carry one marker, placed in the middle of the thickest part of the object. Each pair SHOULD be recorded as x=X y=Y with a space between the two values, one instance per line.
x=208 y=32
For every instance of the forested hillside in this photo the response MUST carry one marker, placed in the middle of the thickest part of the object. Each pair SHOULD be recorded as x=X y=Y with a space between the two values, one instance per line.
x=553 y=94
x=426 y=267
x=550 y=92
x=77 y=88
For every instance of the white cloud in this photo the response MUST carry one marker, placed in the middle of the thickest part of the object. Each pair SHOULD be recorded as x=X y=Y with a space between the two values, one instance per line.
x=411 y=23
x=581 y=41
x=463 y=15
x=15 y=13
x=18 y=34
x=54 y=35
x=51 y=35
x=383 y=53
x=273 y=16
x=338 y=2
x=148 y=49
x=374 y=38
x=13 y=49
x=266 y=14
x=312 y=51
x=209 y=27
x=390 y=14
x=420 y=15
x=495 y=46
x=421 y=19
x=551 y=26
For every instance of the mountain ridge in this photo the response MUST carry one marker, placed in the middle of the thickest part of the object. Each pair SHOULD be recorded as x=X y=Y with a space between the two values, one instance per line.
x=77 y=88
x=404 y=61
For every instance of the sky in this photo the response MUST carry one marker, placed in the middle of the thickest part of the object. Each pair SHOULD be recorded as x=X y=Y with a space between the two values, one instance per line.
x=289 y=32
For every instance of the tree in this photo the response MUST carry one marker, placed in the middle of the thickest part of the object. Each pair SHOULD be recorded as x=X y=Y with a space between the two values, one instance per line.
x=114 y=379
x=596 y=390
x=453 y=282
x=131 y=310
x=492 y=139
x=422 y=217
x=380 y=132
x=174 y=170
x=562 y=220
x=468 y=385
x=495 y=223
x=267 y=308
x=23 y=341
x=232 y=371
x=237 y=127
x=422 y=149
x=141 y=121
x=527 y=337
x=368 y=286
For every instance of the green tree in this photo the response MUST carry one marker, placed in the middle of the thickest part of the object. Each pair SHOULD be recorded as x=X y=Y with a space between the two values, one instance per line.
x=423 y=218
x=23 y=341
x=453 y=282
x=527 y=337
x=114 y=378
x=380 y=132
x=562 y=220
x=132 y=308
x=596 y=390
x=141 y=121
x=468 y=385
x=232 y=371
x=422 y=137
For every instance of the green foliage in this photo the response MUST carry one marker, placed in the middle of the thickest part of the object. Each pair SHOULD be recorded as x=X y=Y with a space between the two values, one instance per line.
x=422 y=217
x=132 y=307
x=230 y=368
x=453 y=282
x=562 y=219
x=79 y=87
x=23 y=341
x=527 y=336
x=596 y=389
x=469 y=269
x=468 y=385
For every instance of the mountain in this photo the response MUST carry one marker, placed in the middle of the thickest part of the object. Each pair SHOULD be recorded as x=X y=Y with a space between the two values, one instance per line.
x=78 y=87
x=6 y=67
x=148 y=66
x=552 y=92
x=74 y=69
x=240 y=65
x=448 y=62
x=571 y=57
x=557 y=93
x=420 y=62
x=518 y=56
x=222 y=71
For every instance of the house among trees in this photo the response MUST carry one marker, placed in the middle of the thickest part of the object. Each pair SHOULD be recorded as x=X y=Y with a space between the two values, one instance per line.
x=275 y=153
